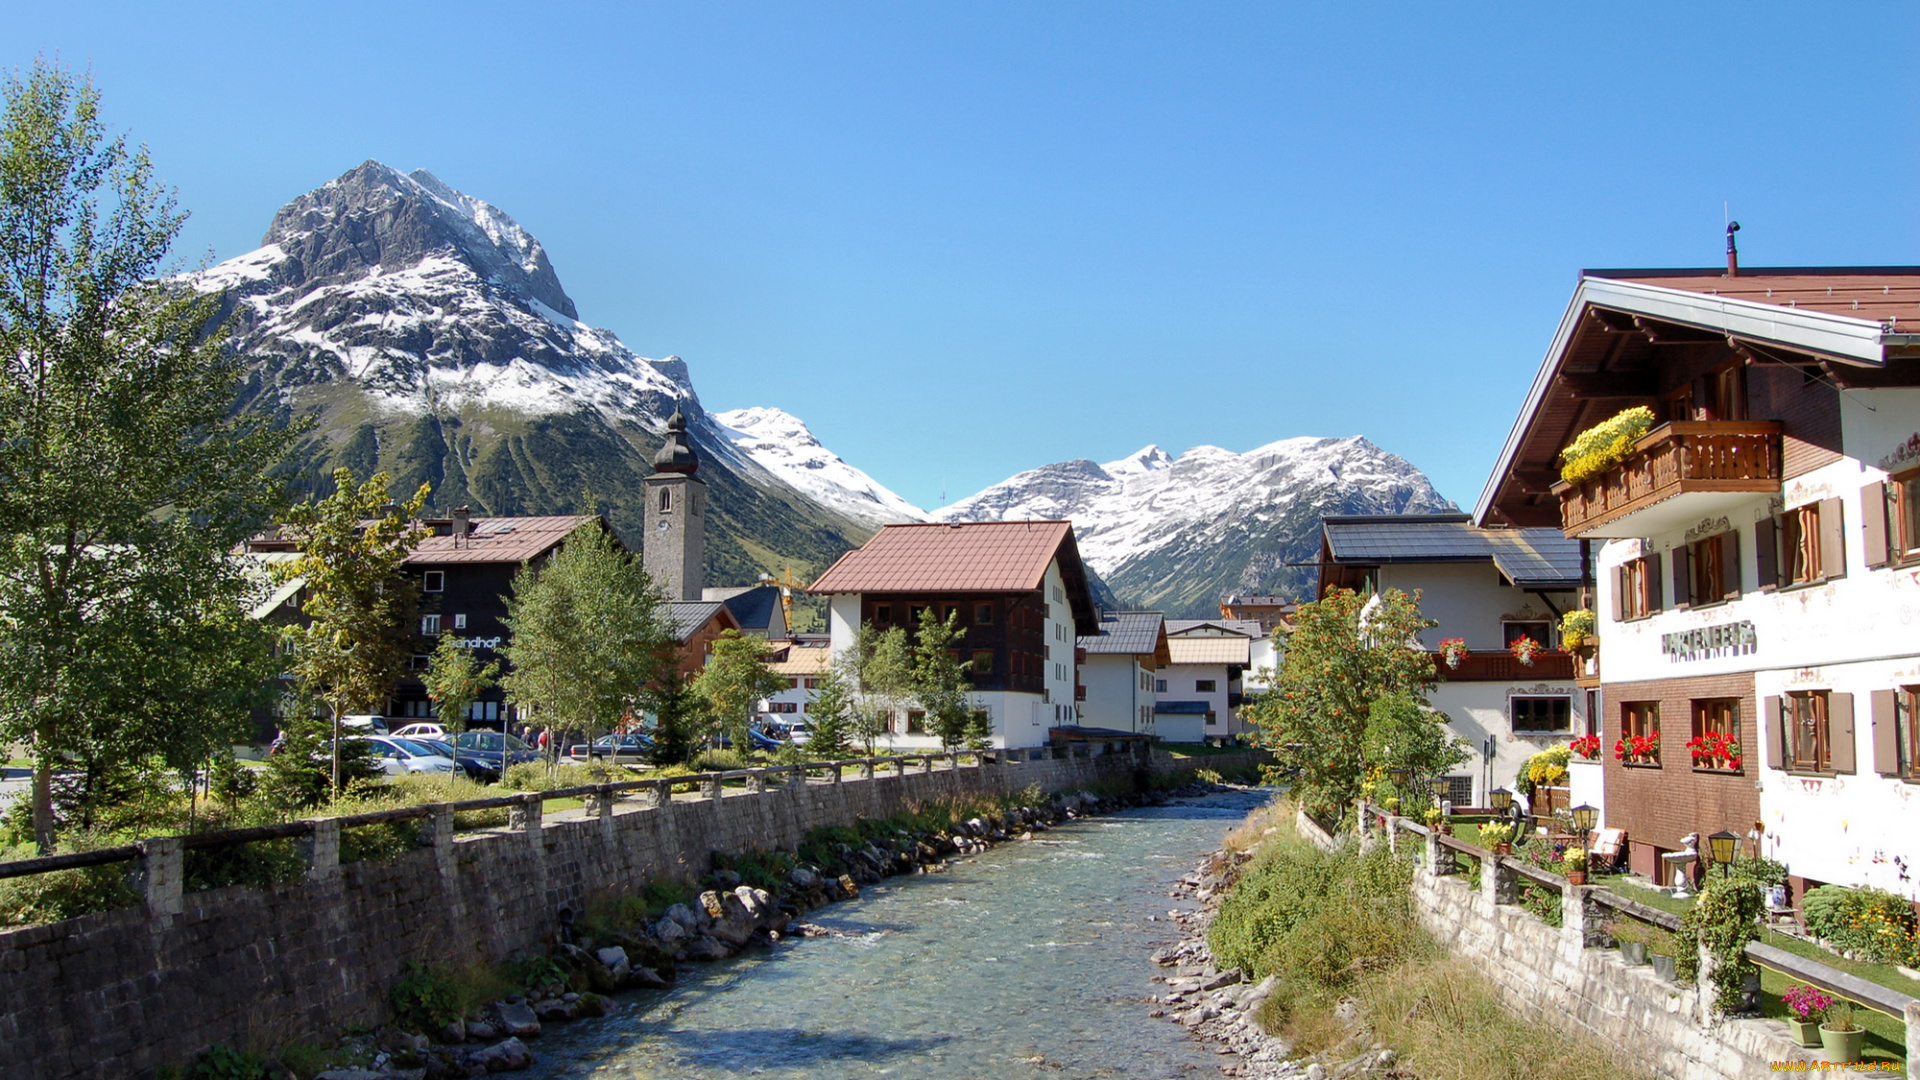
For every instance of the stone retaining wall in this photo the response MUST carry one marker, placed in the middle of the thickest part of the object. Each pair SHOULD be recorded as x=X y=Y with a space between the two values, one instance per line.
x=122 y=993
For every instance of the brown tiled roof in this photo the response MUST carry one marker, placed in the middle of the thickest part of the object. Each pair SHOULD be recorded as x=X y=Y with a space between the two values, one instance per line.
x=499 y=540
x=1210 y=650
x=992 y=556
x=1872 y=294
x=798 y=660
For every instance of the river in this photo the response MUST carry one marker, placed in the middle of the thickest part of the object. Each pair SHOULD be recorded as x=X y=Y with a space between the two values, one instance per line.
x=1026 y=961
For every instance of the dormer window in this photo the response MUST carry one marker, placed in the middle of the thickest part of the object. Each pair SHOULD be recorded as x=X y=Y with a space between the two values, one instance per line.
x=433 y=581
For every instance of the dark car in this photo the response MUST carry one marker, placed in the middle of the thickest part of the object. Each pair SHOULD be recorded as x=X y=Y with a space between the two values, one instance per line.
x=477 y=764
x=619 y=749
x=500 y=750
x=760 y=740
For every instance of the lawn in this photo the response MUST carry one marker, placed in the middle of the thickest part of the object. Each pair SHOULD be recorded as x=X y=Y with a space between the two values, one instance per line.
x=1194 y=750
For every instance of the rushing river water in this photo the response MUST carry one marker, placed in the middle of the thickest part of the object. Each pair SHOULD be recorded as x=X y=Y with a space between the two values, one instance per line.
x=1030 y=960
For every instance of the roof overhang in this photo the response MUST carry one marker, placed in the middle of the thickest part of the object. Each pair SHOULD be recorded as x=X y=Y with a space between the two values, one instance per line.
x=1819 y=334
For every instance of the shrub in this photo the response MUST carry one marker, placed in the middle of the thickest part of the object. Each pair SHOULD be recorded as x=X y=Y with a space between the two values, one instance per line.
x=425 y=999
x=221 y=1063
x=1873 y=922
x=1604 y=445
x=1722 y=920
x=65 y=894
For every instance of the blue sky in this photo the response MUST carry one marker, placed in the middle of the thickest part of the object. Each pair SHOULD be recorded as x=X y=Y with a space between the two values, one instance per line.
x=965 y=240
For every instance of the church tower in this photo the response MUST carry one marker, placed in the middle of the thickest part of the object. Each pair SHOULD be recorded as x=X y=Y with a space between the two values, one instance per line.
x=676 y=516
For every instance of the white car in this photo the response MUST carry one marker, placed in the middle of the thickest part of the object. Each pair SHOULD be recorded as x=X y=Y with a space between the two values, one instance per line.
x=421 y=731
x=794 y=731
x=398 y=757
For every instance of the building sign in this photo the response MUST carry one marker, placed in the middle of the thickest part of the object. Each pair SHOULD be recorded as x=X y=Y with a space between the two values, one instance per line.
x=477 y=643
x=1711 y=643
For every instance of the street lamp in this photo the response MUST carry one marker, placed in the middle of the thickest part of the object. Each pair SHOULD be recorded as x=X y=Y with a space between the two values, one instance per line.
x=1500 y=799
x=1721 y=847
x=1584 y=819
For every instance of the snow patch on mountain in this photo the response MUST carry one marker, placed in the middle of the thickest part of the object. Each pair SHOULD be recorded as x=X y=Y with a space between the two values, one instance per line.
x=1127 y=509
x=783 y=445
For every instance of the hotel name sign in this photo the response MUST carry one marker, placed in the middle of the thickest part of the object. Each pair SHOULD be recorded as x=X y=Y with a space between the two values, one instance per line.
x=1711 y=642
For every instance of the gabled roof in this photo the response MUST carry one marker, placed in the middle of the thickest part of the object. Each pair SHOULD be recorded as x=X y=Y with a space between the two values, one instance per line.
x=1248 y=628
x=963 y=557
x=688 y=617
x=1225 y=649
x=1856 y=319
x=1128 y=633
x=754 y=607
x=500 y=540
x=800 y=660
x=1537 y=558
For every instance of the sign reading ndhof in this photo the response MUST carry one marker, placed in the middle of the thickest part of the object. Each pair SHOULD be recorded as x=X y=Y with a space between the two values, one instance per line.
x=1711 y=642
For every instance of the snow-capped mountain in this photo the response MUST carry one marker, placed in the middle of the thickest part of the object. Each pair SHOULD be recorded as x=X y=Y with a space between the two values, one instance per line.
x=782 y=444
x=428 y=334
x=1179 y=533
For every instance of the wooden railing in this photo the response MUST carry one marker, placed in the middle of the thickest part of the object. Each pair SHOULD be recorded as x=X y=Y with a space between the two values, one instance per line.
x=1675 y=459
x=653 y=792
x=1499 y=665
x=1871 y=995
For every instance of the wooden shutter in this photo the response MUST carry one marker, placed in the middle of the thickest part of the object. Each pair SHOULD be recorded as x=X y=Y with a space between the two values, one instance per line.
x=1619 y=593
x=1833 y=550
x=1682 y=577
x=1730 y=565
x=1840 y=732
x=1873 y=524
x=1773 y=719
x=1766 y=552
x=1886 y=740
x=1653 y=582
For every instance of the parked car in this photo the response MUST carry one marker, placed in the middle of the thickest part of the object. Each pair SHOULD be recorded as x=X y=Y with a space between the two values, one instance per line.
x=421 y=731
x=477 y=764
x=794 y=731
x=631 y=749
x=398 y=757
x=364 y=724
x=502 y=750
x=758 y=739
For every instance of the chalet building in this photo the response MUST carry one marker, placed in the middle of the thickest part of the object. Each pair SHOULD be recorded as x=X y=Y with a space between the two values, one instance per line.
x=1271 y=612
x=1117 y=668
x=465 y=569
x=1017 y=588
x=1199 y=689
x=1757 y=555
x=801 y=661
x=759 y=610
x=1487 y=588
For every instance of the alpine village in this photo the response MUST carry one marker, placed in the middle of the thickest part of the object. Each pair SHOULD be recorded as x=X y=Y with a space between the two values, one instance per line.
x=402 y=677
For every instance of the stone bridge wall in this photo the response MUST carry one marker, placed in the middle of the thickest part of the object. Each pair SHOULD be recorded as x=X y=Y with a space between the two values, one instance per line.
x=121 y=993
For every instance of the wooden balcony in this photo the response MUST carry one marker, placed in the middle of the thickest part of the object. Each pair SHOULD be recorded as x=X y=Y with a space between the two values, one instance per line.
x=1676 y=474
x=1500 y=666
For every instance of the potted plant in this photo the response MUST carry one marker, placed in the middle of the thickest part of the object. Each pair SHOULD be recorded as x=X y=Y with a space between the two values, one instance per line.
x=1437 y=821
x=1587 y=746
x=1498 y=837
x=1638 y=749
x=1841 y=1039
x=1806 y=1005
x=1576 y=629
x=1523 y=649
x=1453 y=650
x=1604 y=445
x=1715 y=750
x=1575 y=862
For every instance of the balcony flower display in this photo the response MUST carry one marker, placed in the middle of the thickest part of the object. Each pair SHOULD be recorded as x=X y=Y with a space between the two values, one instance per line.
x=1524 y=648
x=1604 y=445
x=1637 y=749
x=1587 y=746
x=1715 y=750
x=1576 y=629
x=1453 y=650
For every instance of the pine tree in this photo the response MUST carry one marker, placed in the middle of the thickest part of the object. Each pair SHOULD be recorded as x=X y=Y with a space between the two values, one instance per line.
x=940 y=677
x=125 y=475
x=830 y=715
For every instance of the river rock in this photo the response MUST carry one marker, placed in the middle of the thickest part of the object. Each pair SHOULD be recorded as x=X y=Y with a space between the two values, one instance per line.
x=481 y=1032
x=554 y=1010
x=704 y=948
x=645 y=978
x=455 y=1032
x=848 y=890
x=726 y=880
x=508 y=1056
x=613 y=960
x=670 y=931
x=684 y=915
x=803 y=878
x=517 y=1019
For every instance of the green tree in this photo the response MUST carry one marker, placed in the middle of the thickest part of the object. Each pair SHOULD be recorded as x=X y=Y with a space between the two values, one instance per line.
x=830 y=715
x=940 y=677
x=1346 y=652
x=1407 y=739
x=735 y=678
x=455 y=680
x=588 y=635
x=882 y=664
x=125 y=476
x=360 y=604
x=679 y=715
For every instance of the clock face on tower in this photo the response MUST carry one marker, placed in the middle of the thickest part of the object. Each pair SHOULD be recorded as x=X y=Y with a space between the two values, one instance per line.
x=664 y=525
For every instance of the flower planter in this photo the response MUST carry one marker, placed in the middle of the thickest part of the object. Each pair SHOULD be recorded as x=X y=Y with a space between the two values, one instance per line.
x=1503 y=849
x=1576 y=877
x=1663 y=966
x=1839 y=1047
x=1805 y=1032
x=1635 y=953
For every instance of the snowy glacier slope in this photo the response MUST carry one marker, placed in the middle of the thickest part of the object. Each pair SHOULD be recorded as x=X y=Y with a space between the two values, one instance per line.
x=783 y=445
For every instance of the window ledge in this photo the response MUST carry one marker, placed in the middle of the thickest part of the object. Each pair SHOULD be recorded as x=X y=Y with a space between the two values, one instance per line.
x=1639 y=764
x=1712 y=771
x=1543 y=733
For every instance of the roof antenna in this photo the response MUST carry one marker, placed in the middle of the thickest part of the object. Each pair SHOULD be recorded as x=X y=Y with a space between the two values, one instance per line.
x=1733 y=252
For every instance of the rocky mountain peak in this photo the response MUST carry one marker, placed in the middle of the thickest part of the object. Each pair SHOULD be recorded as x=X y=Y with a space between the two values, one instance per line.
x=375 y=217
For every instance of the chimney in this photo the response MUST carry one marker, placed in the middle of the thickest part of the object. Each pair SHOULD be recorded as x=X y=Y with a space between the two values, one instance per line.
x=461 y=523
x=1733 y=253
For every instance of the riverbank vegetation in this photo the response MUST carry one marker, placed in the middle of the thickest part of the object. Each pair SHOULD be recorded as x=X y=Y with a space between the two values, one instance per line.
x=1337 y=931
